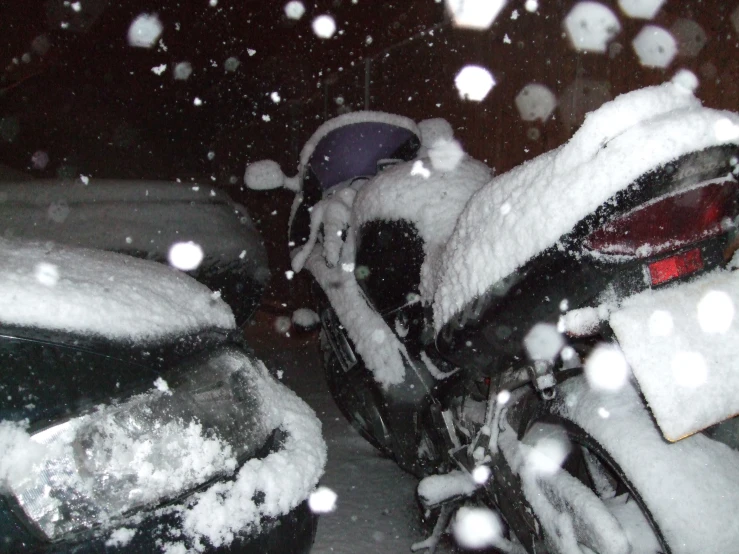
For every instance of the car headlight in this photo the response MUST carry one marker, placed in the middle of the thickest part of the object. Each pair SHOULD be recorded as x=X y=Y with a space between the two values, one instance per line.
x=155 y=446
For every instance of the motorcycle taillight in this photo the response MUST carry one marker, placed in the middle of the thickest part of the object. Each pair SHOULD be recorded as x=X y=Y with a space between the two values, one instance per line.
x=669 y=222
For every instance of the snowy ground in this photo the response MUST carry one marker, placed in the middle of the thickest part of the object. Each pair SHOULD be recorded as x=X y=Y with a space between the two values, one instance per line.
x=376 y=510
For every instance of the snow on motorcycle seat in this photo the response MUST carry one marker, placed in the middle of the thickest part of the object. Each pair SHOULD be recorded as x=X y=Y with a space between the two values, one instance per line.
x=502 y=227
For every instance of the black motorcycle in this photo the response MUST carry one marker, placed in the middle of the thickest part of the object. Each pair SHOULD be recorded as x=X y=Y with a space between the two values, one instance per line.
x=553 y=350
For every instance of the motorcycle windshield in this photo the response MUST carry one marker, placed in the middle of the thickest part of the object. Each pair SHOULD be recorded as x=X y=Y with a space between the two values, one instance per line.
x=680 y=343
x=353 y=150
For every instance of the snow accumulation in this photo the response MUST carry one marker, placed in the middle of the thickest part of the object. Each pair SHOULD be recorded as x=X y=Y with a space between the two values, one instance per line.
x=380 y=349
x=285 y=477
x=330 y=217
x=503 y=224
x=681 y=345
x=569 y=512
x=432 y=131
x=432 y=196
x=111 y=295
x=305 y=317
x=691 y=487
x=430 y=191
x=147 y=216
x=435 y=489
x=429 y=197
x=176 y=457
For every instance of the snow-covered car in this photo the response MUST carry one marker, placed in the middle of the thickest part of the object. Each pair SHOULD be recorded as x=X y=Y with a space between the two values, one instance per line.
x=197 y=228
x=132 y=419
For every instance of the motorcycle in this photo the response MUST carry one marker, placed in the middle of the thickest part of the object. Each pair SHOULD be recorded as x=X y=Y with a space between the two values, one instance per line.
x=551 y=350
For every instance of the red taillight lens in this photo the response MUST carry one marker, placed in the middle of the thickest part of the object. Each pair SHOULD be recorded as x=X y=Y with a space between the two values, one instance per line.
x=666 y=270
x=668 y=222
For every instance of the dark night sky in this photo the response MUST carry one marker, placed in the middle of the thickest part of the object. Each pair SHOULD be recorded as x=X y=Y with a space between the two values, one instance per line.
x=93 y=104
x=93 y=99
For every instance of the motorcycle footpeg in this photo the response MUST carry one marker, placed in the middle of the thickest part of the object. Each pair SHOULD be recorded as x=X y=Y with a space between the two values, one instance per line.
x=542 y=377
x=446 y=488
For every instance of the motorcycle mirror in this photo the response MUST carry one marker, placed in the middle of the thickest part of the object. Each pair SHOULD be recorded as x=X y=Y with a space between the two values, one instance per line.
x=267 y=175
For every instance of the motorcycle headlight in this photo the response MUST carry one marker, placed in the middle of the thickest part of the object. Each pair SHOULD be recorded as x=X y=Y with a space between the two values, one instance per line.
x=98 y=467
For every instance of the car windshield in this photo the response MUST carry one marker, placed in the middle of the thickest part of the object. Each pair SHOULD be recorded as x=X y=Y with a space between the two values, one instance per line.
x=411 y=211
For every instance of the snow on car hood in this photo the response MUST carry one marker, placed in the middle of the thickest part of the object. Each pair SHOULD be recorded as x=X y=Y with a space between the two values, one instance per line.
x=521 y=213
x=690 y=487
x=110 y=295
x=681 y=345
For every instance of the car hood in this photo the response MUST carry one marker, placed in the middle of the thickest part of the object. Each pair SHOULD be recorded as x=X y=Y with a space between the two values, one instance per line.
x=145 y=219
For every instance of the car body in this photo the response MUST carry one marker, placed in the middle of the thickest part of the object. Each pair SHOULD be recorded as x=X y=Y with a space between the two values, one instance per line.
x=145 y=219
x=133 y=419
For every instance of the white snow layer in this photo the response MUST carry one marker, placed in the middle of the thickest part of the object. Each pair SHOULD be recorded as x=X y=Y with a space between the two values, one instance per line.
x=435 y=489
x=432 y=198
x=382 y=352
x=102 y=293
x=569 y=512
x=305 y=317
x=285 y=477
x=433 y=130
x=431 y=195
x=685 y=362
x=691 y=487
x=523 y=212
x=330 y=217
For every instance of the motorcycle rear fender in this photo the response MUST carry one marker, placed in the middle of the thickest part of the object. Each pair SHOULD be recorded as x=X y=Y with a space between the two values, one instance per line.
x=488 y=333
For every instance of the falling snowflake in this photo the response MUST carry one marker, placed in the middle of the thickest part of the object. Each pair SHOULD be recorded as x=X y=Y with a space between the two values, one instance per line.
x=640 y=9
x=474 y=83
x=324 y=26
x=655 y=46
x=185 y=255
x=590 y=26
x=535 y=101
x=231 y=64
x=474 y=14
x=294 y=9
x=144 y=31
x=182 y=71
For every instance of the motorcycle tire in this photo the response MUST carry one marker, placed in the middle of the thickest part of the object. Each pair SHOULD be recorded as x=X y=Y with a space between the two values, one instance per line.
x=593 y=466
x=357 y=398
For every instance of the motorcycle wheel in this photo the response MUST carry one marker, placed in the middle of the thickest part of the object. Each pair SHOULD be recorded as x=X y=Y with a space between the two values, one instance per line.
x=593 y=466
x=357 y=398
